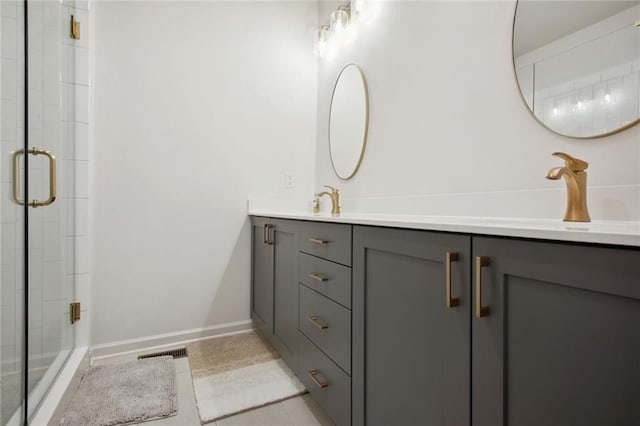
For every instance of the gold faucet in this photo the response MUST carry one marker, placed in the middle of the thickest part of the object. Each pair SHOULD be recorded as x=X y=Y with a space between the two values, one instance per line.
x=576 y=179
x=335 y=199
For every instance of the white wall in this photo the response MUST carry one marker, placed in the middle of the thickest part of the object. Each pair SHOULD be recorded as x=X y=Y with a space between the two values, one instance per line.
x=448 y=132
x=201 y=106
x=198 y=107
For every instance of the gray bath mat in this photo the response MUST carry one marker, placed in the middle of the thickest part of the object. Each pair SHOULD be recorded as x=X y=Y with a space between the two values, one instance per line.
x=125 y=393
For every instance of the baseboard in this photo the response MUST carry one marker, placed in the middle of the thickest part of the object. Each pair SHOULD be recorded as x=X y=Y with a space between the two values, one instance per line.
x=170 y=339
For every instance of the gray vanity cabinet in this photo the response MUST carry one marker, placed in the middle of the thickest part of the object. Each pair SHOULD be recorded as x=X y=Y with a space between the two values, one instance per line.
x=274 y=295
x=325 y=316
x=285 y=290
x=411 y=345
x=558 y=342
x=439 y=328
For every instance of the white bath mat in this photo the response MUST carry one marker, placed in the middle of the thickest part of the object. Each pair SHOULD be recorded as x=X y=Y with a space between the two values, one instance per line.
x=238 y=373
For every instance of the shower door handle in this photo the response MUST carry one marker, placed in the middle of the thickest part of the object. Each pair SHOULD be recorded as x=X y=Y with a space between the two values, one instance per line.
x=52 y=177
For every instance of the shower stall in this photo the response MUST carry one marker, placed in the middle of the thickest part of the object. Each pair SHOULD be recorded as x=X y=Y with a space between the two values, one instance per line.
x=38 y=202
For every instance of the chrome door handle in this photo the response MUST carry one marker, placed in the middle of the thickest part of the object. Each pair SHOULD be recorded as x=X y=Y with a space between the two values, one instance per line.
x=52 y=177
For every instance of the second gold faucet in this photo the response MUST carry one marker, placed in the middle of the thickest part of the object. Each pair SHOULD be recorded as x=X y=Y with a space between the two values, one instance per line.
x=335 y=199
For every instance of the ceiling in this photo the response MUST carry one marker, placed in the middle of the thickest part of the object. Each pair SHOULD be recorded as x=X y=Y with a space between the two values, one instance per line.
x=540 y=22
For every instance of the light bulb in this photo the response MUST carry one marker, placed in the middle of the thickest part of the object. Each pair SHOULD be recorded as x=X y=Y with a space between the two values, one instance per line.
x=322 y=42
x=555 y=108
x=339 y=19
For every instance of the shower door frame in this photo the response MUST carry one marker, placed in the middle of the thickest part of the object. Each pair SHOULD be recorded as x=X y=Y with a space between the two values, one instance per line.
x=41 y=364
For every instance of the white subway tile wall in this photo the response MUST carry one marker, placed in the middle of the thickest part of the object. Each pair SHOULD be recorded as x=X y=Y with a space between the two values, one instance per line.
x=594 y=105
x=11 y=254
x=58 y=238
x=75 y=79
x=591 y=85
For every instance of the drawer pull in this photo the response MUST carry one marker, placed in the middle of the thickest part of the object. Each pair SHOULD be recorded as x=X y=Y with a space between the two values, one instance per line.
x=314 y=321
x=318 y=277
x=320 y=384
x=318 y=241
x=451 y=301
x=481 y=311
x=266 y=233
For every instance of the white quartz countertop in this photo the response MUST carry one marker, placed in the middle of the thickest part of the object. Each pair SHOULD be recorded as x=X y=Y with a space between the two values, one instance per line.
x=598 y=232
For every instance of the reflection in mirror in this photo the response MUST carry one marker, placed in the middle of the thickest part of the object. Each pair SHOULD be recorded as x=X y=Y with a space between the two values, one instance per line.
x=578 y=64
x=348 y=121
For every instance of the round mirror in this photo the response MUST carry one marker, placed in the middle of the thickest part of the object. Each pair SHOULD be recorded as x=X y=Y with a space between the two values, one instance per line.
x=348 y=121
x=578 y=64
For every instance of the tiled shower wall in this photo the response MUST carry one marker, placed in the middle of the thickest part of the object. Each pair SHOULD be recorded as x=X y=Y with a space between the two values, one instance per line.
x=588 y=105
x=587 y=82
x=75 y=100
x=11 y=134
x=58 y=243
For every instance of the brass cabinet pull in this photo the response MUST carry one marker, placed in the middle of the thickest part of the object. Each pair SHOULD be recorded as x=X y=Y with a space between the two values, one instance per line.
x=318 y=277
x=314 y=321
x=270 y=234
x=52 y=177
x=320 y=384
x=318 y=241
x=450 y=258
x=481 y=311
x=75 y=28
x=267 y=234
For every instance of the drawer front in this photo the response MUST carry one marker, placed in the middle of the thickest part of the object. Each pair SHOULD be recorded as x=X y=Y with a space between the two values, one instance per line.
x=328 y=278
x=329 y=386
x=328 y=240
x=326 y=324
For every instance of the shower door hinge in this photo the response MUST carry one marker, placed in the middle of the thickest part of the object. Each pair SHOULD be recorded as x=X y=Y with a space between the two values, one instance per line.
x=75 y=28
x=74 y=308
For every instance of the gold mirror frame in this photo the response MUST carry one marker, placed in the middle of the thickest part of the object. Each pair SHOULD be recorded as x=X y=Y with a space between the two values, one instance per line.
x=524 y=101
x=366 y=122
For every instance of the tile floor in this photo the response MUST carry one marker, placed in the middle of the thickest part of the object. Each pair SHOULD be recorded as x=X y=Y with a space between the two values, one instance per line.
x=299 y=411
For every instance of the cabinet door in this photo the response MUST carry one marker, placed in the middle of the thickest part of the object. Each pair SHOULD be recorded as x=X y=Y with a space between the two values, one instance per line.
x=262 y=275
x=285 y=291
x=410 y=350
x=560 y=342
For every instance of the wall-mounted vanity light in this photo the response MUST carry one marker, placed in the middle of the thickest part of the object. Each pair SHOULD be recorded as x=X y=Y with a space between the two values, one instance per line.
x=322 y=40
x=340 y=17
x=339 y=20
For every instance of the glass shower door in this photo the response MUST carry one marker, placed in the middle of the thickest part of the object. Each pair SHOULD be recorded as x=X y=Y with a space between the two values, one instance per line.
x=12 y=229
x=37 y=207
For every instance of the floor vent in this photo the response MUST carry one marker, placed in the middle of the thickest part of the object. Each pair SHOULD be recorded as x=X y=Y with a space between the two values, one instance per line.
x=176 y=353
